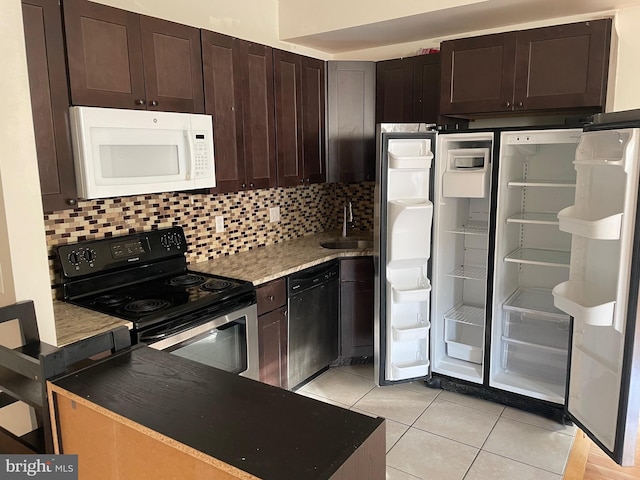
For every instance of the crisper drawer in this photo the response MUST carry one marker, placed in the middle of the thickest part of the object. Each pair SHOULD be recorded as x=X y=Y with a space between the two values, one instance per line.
x=536 y=328
x=528 y=360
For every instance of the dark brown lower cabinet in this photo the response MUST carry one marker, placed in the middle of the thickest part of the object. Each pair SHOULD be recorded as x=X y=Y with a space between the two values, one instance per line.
x=356 y=307
x=272 y=345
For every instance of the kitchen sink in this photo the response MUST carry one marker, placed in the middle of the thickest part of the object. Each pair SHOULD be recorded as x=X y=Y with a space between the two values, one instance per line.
x=347 y=244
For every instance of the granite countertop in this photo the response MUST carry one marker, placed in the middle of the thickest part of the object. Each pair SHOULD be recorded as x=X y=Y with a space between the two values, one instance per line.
x=280 y=259
x=263 y=430
x=258 y=266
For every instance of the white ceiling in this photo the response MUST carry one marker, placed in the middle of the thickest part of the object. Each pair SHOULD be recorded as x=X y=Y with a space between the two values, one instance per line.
x=452 y=22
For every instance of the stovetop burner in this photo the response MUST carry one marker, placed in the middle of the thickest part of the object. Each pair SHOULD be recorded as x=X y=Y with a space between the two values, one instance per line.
x=186 y=280
x=216 y=285
x=146 y=305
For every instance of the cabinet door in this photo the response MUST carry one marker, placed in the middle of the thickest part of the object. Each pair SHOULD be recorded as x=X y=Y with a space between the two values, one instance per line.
x=477 y=74
x=351 y=121
x=426 y=88
x=288 y=108
x=394 y=90
x=223 y=99
x=356 y=307
x=272 y=347
x=172 y=66
x=563 y=66
x=104 y=54
x=49 y=102
x=313 y=132
x=258 y=115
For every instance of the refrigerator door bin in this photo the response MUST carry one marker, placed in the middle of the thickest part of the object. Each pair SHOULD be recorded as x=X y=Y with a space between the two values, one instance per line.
x=410 y=153
x=413 y=332
x=585 y=301
x=538 y=362
x=589 y=224
x=415 y=290
x=415 y=369
x=409 y=231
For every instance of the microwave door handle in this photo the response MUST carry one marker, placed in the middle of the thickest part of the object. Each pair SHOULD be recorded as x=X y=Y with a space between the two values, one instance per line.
x=191 y=157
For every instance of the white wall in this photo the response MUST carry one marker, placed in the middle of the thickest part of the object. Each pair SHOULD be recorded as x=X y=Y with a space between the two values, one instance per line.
x=23 y=252
x=626 y=84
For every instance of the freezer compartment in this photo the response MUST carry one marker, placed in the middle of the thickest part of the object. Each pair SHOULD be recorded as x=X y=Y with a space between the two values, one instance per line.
x=538 y=362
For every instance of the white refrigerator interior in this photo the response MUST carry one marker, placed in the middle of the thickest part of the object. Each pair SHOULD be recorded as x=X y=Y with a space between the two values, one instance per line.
x=530 y=336
x=409 y=214
x=602 y=223
x=461 y=236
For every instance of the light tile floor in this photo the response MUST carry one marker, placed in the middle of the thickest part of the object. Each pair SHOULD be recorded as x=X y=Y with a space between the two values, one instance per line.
x=440 y=435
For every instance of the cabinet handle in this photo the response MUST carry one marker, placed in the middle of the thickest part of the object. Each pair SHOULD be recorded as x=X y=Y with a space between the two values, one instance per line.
x=153 y=103
x=251 y=185
x=368 y=177
x=507 y=104
x=285 y=313
x=270 y=297
x=72 y=201
x=140 y=101
x=244 y=185
x=308 y=180
x=519 y=104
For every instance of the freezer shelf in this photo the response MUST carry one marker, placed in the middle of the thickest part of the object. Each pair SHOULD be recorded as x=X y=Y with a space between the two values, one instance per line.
x=536 y=218
x=466 y=314
x=604 y=228
x=568 y=183
x=471 y=229
x=536 y=256
x=469 y=272
x=584 y=301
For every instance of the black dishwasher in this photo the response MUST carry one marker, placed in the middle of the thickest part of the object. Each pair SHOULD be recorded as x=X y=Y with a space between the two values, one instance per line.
x=313 y=321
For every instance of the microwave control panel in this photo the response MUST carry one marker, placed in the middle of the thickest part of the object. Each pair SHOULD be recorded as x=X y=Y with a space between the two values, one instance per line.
x=201 y=155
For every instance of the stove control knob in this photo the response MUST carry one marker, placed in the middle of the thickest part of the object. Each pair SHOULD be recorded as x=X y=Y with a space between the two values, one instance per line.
x=74 y=258
x=89 y=256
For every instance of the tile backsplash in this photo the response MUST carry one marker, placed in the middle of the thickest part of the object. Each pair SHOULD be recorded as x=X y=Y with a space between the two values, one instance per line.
x=303 y=210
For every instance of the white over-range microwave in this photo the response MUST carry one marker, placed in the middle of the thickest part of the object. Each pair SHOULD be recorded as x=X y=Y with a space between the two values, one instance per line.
x=131 y=152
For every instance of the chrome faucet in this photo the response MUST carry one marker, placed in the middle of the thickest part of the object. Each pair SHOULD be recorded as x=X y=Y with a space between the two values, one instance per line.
x=347 y=218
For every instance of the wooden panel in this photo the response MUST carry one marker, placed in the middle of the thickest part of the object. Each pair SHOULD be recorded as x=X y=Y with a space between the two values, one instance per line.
x=172 y=66
x=368 y=461
x=356 y=306
x=563 y=66
x=223 y=98
x=426 y=88
x=258 y=114
x=288 y=108
x=313 y=131
x=356 y=269
x=394 y=90
x=272 y=347
x=477 y=74
x=104 y=54
x=351 y=121
x=271 y=295
x=49 y=102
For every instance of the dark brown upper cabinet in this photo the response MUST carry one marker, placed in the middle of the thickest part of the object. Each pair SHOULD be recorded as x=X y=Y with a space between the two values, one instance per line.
x=562 y=67
x=351 y=126
x=299 y=107
x=121 y=59
x=407 y=89
x=49 y=102
x=238 y=84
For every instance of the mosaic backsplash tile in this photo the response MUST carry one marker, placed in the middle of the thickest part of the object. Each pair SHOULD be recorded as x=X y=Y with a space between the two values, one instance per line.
x=304 y=210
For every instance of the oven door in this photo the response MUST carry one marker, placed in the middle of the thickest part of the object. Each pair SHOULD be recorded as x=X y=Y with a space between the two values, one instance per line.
x=228 y=342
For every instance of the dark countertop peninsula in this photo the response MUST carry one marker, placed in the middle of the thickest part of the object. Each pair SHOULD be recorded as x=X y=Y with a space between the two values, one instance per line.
x=262 y=430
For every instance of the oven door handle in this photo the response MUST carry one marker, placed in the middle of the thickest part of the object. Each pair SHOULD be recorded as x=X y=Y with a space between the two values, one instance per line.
x=190 y=332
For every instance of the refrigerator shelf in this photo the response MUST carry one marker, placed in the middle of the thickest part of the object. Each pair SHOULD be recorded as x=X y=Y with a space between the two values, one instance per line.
x=585 y=301
x=568 y=183
x=466 y=314
x=471 y=229
x=598 y=228
x=534 y=346
x=536 y=218
x=536 y=256
x=536 y=301
x=415 y=369
x=412 y=332
x=469 y=272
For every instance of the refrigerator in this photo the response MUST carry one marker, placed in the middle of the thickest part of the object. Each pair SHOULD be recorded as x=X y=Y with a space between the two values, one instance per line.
x=507 y=266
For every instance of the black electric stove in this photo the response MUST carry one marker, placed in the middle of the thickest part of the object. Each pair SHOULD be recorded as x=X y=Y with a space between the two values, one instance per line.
x=144 y=278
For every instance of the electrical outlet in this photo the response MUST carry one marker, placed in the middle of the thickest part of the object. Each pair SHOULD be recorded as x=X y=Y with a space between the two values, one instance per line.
x=274 y=214
x=219 y=224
